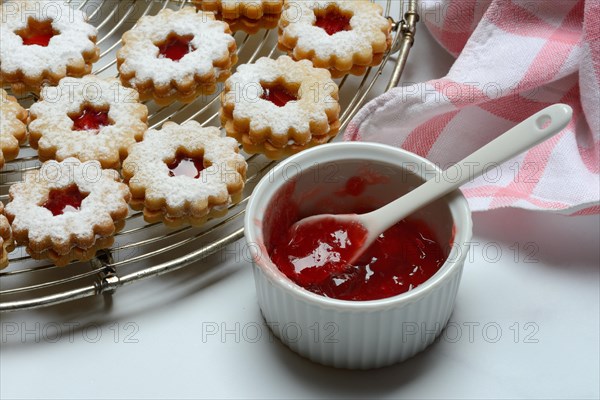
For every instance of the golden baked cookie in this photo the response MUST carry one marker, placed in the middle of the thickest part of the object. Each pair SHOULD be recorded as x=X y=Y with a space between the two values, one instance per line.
x=66 y=209
x=233 y=9
x=252 y=26
x=184 y=174
x=42 y=42
x=343 y=36
x=176 y=55
x=13 y=132
x=88 y=118
x=5 y=238
x=280 y=107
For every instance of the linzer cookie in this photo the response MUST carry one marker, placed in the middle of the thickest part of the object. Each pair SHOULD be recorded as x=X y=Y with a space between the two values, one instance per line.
x=12 y=127
x=233 y=9
x=176 y=55
x=280 y=107
x=65 y=210
x=345 y=37
x=87 y=118
x=5 y=238
x=42 y=42
x=248 y=16
x=252 y=26
x=184 y=174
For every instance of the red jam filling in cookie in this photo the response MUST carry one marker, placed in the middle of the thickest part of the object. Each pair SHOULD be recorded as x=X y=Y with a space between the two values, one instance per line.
x=278 y=95
x=90 y=119
x=176 y=47
x=333 y=21
x=37 y=33
x=61 y=201
x=183 y=165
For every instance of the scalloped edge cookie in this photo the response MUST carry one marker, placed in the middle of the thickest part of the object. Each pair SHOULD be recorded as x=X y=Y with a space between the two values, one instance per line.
x=345 y=52
x=71 y=52
x=5 y=238
x=141 y=66
x=176 y=200
x=13 y=132
x=103 y=207
x=263 y=127
x=51 y=127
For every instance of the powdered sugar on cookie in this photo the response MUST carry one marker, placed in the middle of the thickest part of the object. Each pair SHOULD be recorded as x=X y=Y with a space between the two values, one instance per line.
x=315 y=104
x=367 y=32
x=52 y=127
x=317 y=96
x=35 y=225
x=72 y=45
x=221 y=170
x=211 y=52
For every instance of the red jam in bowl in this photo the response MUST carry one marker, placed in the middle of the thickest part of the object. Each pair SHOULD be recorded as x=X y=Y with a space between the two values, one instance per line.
x=317 y=257
x=402 y=258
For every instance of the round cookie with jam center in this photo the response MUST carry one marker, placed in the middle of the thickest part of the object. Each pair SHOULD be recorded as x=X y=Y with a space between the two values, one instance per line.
x=65 y=210
x=176 y=55
x=42 y=42
x=184 y=174
x=280 y=107
x=346 y=37
x=88 y=118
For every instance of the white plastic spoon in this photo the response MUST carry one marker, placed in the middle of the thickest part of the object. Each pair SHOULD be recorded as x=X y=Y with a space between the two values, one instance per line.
x=522 y=137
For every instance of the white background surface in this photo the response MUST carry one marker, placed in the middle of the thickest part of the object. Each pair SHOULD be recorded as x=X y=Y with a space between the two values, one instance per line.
x=526 y=325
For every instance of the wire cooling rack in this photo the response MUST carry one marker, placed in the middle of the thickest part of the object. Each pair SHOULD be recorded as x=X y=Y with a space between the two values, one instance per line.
x=143 y=250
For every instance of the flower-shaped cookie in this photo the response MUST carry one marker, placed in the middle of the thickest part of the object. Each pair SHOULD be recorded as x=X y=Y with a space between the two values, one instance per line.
x=184 y=174
x=42 y=42
x=87 y=118
x=176 y=55
x=12 y=127
x=252 y=26
x=280 y=107
x=5 y=238
x=233 y=9
x=345 y=37
x=64 y=209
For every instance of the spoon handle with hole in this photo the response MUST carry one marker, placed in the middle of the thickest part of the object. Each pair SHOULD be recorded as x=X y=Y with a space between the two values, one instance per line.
x=534 y=130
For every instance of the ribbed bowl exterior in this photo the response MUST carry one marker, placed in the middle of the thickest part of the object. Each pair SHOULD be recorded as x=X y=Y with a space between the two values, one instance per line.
x=357 y=339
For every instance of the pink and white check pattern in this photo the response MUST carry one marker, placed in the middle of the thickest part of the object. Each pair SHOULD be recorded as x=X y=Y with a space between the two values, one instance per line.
x=514 y=58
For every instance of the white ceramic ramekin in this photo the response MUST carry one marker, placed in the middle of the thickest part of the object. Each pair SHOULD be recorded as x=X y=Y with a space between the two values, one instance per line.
x=354 y=334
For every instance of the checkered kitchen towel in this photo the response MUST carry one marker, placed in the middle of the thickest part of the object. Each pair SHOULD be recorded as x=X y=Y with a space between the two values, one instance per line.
x=514 y=58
